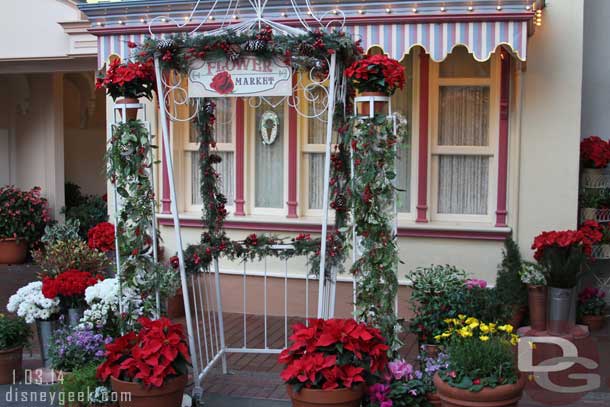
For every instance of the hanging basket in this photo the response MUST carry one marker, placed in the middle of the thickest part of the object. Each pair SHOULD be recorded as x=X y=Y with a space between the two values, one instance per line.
x=131 y=112
x=378 y=100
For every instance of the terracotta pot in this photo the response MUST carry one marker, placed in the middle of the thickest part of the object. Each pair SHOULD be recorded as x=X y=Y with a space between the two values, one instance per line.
x=434 y=399
x=175 y=305
x=13 y=251
x=507 y=395
x=536 y=295
x=517 y=316
x=378 y=106
x=431 y=351
x=326 y=398
x=168 y=395
x=10 y=365
x=594 y=322
x=131 y=113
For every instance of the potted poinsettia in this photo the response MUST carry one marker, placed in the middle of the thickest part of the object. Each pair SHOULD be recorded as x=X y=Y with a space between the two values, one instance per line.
x=376 y=76
x=329 y=361
x=482 y=370
x=151 y=364
x=591 y=307
x=23 y=217
x=594 y=157
x=127 y=82
x=70 y=287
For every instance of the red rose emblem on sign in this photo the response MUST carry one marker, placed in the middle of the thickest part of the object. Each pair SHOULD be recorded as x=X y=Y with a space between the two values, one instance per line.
x=222 y=83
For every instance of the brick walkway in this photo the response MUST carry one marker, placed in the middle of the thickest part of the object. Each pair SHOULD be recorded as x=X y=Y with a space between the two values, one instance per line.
x=256 y=376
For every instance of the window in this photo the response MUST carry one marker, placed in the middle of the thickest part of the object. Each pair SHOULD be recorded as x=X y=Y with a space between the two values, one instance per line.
x=225 y=148
x=269 y=146
x=463 y=146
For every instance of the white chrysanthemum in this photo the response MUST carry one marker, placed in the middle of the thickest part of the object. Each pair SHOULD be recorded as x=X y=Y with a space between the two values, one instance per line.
x=29 y=303
x=103 y=301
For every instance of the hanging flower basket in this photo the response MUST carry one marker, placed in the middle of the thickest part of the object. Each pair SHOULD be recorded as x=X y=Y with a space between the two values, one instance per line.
x=378 y=100
x=131 y=113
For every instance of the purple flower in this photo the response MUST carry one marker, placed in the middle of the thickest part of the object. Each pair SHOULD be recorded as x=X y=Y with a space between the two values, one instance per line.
x=475 y=282
x=400 y=369
x=379 y=394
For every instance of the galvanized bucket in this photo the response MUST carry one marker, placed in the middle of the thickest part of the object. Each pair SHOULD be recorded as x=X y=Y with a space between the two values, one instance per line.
x=562 y=309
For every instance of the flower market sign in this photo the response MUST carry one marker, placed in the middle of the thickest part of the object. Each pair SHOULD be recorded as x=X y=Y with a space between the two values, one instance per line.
x=247 y=76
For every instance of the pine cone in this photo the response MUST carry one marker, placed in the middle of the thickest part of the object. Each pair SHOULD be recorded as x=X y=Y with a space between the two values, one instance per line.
x=233 y=52
x=254 y=45
x=166 y=45
x=340 y=203
x=306 y=49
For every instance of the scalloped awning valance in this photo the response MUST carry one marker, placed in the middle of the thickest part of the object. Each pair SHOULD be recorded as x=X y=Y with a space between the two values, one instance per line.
x=438 y=39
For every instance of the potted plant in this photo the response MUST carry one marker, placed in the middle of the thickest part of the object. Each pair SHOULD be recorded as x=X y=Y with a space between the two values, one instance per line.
x=70 y=287
x=403 y=386
x=127 y=82
x=83 y=386
x=329 y=361
x=594 y=157
x=378 y=77
x=59 y=256
x=30 y=304
x=562 y=255
x=151 y=364
x=429 y=366
x=23 y=217
x=482 y=370
x=591 y=307
x=71 y=349
x=101 y=237
x=14 y=335
x=509 y=287
x=435 y=292
x=533 y=277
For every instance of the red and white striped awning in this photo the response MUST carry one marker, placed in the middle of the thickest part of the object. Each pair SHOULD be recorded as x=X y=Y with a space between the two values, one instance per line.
x=481 y=38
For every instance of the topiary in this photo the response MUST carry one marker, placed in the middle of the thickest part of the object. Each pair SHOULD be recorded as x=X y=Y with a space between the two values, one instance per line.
x=509 y=288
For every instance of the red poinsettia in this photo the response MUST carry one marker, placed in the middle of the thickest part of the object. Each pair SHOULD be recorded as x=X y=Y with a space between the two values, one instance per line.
x=334 y=353
x=594 y=152
x=151 y=356
x=70 y=286
x=129 y=80
x=101 y=237
x=376 y=73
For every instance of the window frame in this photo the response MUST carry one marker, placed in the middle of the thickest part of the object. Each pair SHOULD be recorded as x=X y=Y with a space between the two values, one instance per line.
x=491 y=151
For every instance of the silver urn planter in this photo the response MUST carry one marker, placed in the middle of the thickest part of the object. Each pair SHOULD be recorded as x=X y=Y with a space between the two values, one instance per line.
x=45 y=331
x=74 y=316
x=562 y=310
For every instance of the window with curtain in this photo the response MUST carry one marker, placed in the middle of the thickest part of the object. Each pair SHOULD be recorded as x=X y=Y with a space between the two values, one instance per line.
x=269 y=166
x=463 y=149
x=225 y=148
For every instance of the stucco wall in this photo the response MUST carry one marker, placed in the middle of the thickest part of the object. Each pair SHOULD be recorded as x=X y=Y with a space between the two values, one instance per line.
x=596 y=70
x=550 y=132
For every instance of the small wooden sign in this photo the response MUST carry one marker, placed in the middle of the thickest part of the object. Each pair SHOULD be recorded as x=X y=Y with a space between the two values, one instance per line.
x=248 y=76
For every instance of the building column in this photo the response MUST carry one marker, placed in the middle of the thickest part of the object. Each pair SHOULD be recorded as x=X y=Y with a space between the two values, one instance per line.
x=240 y=156
x=422 y=173
x=501 y=210
x=293 y=155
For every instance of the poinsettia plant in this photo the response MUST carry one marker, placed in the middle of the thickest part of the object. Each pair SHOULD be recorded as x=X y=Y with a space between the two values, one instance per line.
x=594 y=152
x=376 y=73
x=591 y=302
x=23 y=214
x=69 y=286
x=152 y=356
x=101 y=237
x=128 y=80
x=332 y=354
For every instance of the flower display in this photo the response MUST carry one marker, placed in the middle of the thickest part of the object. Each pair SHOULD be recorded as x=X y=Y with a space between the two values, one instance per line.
x=31 y=304
x=594 y=152
x=154 y=354
x=331 y=354
x=403 y=386
x=480 y=354
x=103 y=312
x=430 y=365
x=129 y=80
x=591 y=302
x=376 y=73
x=73 y=349
x=101 y=237
x=23 y=214
x=69 y=286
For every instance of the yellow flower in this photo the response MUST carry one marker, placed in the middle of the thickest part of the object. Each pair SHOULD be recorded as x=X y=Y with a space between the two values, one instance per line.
x=446 y=334
x=437 y=338
x=473 y=325
x=506 y=328
x=465 y=332
x=462 y=317
x=472 y=320
x=514 y=339
x=484 y=328
x=492 y=327
x=484 y=338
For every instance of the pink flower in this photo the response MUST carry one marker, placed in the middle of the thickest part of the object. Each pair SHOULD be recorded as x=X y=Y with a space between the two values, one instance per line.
x=474 y=282
x=400 y=369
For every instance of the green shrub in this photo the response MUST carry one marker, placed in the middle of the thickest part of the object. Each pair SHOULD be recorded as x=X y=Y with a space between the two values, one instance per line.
x=91 y=211
x=82 y=386
x=14 y=332
x=70 y=254
x=509 y=288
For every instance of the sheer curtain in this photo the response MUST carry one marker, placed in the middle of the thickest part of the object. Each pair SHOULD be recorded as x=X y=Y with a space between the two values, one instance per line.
x=269 y=160
x=226 y=169
x=402 y=103
x=463 y=121
x=316 y=135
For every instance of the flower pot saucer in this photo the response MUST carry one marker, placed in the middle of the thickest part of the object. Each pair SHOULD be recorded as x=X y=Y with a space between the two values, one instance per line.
x=576 y=332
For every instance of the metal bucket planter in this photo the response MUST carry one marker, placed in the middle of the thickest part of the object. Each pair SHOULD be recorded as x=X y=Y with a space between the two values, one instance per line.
x=562 y=309
x=74 y=316
x=45 y=331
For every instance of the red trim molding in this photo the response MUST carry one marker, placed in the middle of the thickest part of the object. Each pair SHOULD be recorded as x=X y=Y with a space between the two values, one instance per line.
x=422 y=181
x=239 y=156
x=494 y=235
x=501 y=212
x=165 y=198
x=293 y=143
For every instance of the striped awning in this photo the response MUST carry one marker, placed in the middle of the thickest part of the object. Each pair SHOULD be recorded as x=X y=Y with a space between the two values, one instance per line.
x=481 y=38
